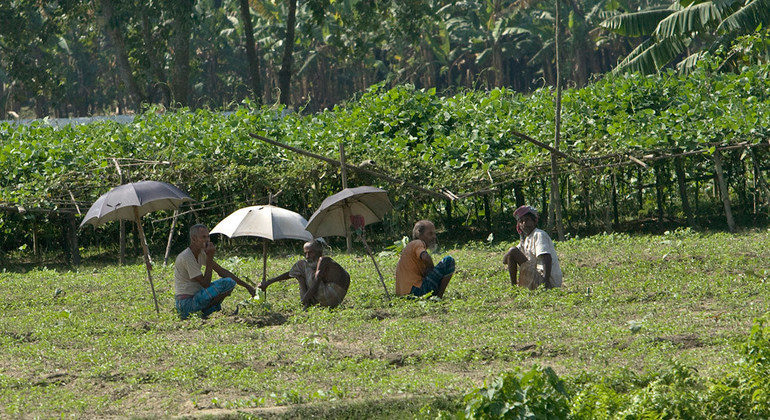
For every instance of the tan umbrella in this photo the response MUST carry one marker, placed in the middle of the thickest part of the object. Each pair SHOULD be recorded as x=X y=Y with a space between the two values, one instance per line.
x=358 y=206
x=131 y=202
x=266 y=221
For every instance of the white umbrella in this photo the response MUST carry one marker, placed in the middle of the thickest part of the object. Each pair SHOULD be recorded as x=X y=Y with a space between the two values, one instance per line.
x=365 y=205
x=131 y=202
x=266 y=221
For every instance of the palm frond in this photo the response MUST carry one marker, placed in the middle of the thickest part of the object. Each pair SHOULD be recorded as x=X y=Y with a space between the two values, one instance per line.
x=747 y=18
x=637 y=23
x=687 y=65
x=651 y=55
x=689 y=19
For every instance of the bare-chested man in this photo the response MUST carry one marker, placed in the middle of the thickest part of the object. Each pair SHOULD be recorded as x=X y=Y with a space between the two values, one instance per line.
x=321 y=280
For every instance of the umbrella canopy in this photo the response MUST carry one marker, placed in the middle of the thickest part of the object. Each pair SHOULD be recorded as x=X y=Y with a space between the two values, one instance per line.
x=360 y=206
x=333 y=216
x=269 y=222
x=131 y=202
x=144 y=196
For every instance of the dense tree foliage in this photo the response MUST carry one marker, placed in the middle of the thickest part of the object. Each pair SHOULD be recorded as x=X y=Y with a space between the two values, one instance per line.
x=76 y=58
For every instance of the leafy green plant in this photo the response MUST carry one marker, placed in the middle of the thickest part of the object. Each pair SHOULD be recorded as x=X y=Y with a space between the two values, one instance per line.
x=534 y=393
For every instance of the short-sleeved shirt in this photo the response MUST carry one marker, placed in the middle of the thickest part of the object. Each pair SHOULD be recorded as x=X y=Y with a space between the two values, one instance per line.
x=539 y=243
x=186 y=268
x=410 y=268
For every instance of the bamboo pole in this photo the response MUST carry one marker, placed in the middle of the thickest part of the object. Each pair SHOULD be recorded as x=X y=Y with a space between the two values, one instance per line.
x=352 y=167
x=555 y=191
x=122 y=239
x=345 y=209
x=377 y=267
x=170 y=237
x=147 y=262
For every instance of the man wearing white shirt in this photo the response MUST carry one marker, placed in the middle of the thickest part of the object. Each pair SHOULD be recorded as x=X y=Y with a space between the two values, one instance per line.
x=193 y=289
x=533 y=262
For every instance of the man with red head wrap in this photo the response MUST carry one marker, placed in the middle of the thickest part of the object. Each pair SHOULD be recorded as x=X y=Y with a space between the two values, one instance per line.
x=533 y=262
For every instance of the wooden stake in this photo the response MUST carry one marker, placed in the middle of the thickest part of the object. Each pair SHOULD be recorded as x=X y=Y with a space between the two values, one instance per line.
x=147 y=262
x=122 y=240
x=345 y=208
x=170 y=237
x=369 y=251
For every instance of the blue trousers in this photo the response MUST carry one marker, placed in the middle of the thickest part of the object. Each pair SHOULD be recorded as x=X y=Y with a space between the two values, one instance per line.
x=201 y=301
x=432 y=280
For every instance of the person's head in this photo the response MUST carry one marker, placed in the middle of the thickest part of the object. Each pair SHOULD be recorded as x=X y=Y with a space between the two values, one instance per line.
x=199 y=235
x=313 y=250
x=425 y=231
x=526 y=219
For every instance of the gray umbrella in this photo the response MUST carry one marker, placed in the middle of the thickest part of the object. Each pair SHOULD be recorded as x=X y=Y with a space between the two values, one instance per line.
x=124 y=201
x=131 y=202
x=367 y=205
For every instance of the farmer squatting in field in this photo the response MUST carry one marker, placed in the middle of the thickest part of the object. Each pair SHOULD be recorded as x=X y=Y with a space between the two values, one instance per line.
x=534 y=259
x=415 y=273
x=322 y=280
x=194 y=291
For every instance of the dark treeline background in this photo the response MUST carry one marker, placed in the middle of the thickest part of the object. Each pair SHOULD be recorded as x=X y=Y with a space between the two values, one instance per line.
x=74 y=58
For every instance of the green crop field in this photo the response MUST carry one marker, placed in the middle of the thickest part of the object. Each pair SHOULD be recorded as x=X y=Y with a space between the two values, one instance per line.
x=645 y=326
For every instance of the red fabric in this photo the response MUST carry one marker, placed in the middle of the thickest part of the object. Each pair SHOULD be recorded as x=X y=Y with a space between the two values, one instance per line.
x=521 y=211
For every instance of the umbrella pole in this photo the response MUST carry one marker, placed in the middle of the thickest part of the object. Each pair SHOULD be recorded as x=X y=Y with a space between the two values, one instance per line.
x=382 y=279
x=264 y=263
x=146 y=256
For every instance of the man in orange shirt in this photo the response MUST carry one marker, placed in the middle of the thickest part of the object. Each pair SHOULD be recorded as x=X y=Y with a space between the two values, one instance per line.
x=415 y=272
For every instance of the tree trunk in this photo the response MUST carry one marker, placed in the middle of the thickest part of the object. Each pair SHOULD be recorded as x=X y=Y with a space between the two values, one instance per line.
x=284 y=75
x=251 y=52
x=544 y=199
x=488 y=212
x=763 y=190
x=518 y=194
x=449 y=220
x=182 y=11
x=159 y=92
x=110 y=23
x=640 y=189
x=680 y=177
x=723 y=191
x=586 y=199
x=615 y=218
x=659 y=191
x=72 y=239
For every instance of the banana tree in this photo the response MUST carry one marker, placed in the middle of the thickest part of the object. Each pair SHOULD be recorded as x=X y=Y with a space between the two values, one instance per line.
x=685 y=31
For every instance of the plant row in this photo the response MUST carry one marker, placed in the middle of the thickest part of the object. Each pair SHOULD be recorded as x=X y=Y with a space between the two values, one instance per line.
x=463 y=143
